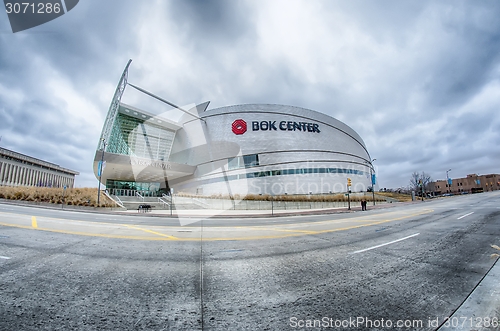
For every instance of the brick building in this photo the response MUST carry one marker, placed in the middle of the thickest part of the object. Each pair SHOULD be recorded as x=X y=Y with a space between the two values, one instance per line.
x=471 y=184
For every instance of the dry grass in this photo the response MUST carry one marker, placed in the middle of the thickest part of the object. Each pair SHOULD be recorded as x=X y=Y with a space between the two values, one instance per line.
x=398 y=196
x=75 y=196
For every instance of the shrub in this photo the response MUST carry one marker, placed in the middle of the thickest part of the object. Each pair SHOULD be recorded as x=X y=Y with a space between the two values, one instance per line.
x=79 y=196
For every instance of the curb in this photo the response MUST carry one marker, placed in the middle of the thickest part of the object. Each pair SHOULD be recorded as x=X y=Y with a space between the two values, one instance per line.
x=119 y=211
x=482 y=303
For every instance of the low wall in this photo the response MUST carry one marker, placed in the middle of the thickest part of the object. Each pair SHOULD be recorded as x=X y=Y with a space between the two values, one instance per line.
x=226 y=204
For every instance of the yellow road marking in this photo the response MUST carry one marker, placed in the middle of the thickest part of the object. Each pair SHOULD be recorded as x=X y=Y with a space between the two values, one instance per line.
x=378 y=222
x=165 y=237
x=33 y=222
x=84 y=233
x=61 y=219
x=274 y=229
x=150 y=231
x=171 y=238
x=359 y=219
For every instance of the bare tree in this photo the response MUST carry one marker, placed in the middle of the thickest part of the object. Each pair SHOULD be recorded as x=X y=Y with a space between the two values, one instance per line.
x=426 y=180
x=414 y=181
x=418 y=179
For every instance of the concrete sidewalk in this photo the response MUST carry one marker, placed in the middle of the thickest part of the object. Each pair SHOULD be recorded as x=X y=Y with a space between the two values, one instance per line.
x=229 y=213
x=252 y=213
x=481 y=309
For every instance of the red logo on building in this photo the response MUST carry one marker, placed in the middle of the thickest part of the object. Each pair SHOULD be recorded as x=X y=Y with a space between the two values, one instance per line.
x=239 y=126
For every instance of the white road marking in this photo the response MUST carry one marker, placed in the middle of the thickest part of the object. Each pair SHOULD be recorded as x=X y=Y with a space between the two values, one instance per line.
x=391 y=242
x=4 y=257
x=465 y=215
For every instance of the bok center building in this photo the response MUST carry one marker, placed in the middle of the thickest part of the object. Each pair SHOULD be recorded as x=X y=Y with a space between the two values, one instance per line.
x=233 y=150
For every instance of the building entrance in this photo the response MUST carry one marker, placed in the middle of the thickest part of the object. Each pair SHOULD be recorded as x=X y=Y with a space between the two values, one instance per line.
x=130 y=189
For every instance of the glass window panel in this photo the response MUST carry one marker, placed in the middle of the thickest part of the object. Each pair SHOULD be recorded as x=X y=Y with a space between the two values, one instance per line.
x=132 y=136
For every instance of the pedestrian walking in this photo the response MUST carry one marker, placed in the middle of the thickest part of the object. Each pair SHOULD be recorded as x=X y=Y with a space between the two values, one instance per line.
x=363 y=204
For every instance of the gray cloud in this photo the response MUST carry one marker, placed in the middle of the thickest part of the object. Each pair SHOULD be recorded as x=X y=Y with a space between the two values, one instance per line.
x=418 y=80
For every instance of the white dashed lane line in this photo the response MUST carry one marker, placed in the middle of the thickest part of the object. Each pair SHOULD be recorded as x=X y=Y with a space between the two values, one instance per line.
x=385 y=244
x=465 y=215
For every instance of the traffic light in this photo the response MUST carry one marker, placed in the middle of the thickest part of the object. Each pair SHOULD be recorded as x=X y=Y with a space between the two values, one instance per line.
x=348 y=182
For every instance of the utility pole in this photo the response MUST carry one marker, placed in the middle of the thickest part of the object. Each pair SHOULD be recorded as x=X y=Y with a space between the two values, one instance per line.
x=100 y=168
x=171 y=200
x=372 y=178
x=448 y=181
x=421 y=184
x=348 y=191
x=64 y=191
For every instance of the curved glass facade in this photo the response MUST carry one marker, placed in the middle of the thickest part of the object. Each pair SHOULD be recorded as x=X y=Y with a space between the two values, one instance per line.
x=136 y=137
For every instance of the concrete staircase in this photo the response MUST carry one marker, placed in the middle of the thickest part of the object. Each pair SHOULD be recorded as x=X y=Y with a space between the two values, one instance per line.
x=133 y=203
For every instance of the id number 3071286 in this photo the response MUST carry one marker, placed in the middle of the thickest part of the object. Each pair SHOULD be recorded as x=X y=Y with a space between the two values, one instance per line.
x=471 y=322
x=33 y=8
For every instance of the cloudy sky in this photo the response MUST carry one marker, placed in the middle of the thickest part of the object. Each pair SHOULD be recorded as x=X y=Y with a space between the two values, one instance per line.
x=418 y=80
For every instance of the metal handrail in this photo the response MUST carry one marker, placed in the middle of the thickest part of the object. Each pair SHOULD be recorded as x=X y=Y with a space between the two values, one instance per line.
x=119 y=202
x=164 y=202
x=200 y=203
x=139 y=195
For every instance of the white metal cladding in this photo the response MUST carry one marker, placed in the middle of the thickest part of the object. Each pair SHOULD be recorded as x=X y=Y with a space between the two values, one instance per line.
x=336 y=148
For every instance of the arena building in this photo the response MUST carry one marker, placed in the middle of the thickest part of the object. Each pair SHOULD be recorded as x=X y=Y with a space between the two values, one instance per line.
x=235 y=150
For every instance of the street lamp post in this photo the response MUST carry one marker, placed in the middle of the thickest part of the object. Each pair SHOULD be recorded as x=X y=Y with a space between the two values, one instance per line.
x=371 y=178
x=100 y=168
x=448 y=179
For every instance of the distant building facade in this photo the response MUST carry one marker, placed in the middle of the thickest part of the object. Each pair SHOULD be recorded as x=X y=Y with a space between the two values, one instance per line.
x=17 y=169
x=471 y=184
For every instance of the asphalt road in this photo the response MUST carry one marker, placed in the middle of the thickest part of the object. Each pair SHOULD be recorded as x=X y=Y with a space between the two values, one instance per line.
x=412 y=264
